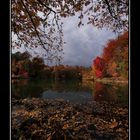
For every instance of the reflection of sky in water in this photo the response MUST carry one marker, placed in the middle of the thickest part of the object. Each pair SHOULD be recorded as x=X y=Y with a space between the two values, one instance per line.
x=74 y=91
x=70 y=96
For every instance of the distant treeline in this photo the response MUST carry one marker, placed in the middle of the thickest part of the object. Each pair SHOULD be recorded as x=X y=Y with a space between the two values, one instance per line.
x=25 y=67
x=112 y=63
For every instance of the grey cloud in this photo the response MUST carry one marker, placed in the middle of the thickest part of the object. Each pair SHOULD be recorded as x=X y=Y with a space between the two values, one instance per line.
x=83 y=44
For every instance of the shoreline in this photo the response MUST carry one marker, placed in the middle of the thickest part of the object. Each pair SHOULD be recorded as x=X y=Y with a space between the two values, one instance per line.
x=112 y=80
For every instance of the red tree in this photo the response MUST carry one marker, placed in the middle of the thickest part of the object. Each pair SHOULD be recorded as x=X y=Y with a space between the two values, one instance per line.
x=115 y=55
x=99 y=67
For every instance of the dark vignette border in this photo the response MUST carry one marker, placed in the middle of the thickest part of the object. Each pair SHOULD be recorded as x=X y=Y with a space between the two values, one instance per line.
x=135 y=70
x=4 y=69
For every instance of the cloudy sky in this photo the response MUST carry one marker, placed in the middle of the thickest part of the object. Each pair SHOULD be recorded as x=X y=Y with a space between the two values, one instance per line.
x=82 y=44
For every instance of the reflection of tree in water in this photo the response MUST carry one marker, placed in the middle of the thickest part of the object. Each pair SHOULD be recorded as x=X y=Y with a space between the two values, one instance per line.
x=101 y=92
x=34 y=88
x=24 y=89
x=106 y=92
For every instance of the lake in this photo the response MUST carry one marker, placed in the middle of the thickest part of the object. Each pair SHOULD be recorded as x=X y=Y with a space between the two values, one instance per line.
x=71 y=90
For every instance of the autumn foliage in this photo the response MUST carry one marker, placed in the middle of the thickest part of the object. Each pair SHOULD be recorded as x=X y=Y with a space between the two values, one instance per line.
x=99 y=67
x=39 y=23
x=114 y=60
x=25 y=67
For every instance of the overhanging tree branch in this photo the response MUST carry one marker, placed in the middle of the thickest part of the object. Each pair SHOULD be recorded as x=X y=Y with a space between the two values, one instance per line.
x=33 y=25
x=111 y=12
x=125 y=3
x=46 y=6
x=109 y=9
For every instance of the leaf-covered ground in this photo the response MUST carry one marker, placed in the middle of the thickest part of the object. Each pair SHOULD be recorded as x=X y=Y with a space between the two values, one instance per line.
x=39 y=119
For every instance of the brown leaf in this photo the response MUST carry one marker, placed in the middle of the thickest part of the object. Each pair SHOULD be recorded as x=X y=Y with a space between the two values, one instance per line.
x=65 y=126
x=49 y=137
x=113 y=124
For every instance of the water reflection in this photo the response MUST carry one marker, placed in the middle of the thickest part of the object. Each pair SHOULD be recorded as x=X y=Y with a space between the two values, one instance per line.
x=107 y=92
x=25 y=89
x=72 y=90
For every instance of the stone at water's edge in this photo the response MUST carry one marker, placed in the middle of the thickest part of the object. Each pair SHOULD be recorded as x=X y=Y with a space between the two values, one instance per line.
x=61 y=119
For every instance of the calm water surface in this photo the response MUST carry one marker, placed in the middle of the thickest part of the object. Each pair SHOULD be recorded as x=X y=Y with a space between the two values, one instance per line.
x=72 y=90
